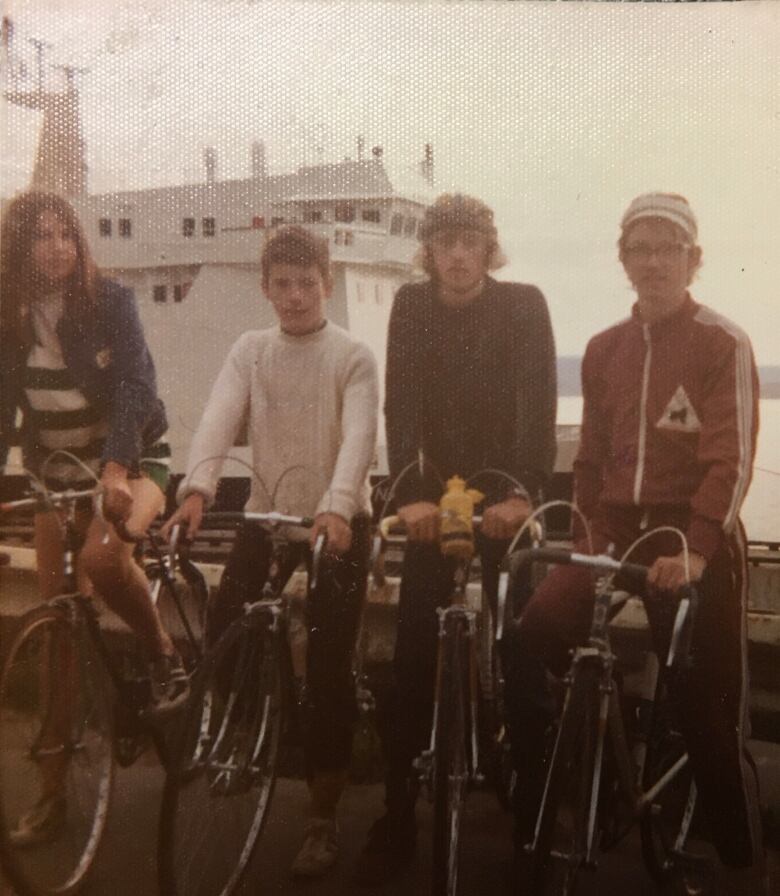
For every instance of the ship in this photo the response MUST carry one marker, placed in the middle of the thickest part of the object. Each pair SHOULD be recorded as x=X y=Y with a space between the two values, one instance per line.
x=190 y=252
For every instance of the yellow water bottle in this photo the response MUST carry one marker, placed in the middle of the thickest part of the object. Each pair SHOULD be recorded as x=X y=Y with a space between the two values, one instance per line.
x=457 y=509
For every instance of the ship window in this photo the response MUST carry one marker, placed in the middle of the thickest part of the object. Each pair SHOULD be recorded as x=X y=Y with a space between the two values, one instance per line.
x=125 y=227
x=180 y=291
x=312 y=216
x=349 y=238
x=104 y=226
x=396 y=225
x=188 y=226
x=275 y=222
x=372 y=215
x=344 y=212
x=160 y=293
x=410 y=228
x=209 y=226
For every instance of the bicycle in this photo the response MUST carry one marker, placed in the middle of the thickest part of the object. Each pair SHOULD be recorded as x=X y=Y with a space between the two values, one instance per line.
x=467 y=745
x=218 y=793
x=596 y=786
x=70 y=705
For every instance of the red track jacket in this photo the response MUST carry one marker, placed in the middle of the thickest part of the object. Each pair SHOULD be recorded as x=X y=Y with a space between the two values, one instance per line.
x=670 y=418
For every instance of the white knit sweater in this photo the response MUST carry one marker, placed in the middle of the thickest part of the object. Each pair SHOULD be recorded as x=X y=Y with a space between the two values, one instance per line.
x=310 y=405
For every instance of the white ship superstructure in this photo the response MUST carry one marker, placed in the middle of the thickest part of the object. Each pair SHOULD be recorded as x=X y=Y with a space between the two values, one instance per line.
x=191 y=255
x=191 y=252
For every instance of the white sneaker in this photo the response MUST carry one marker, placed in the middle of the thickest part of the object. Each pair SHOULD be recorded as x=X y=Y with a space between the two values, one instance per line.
x=320 y=848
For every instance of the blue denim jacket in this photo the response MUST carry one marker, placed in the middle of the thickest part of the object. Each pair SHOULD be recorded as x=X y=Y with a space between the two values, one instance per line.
x=106 y=352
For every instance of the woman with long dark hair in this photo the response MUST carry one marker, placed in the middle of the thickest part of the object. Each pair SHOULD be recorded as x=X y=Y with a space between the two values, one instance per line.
x=76 y=376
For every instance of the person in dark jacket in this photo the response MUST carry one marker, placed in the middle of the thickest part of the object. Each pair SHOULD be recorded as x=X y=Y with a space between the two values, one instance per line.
x=76 y=371
x=470 y=387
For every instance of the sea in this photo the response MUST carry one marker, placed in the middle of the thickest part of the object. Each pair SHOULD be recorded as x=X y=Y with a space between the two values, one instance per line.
x=761 y=510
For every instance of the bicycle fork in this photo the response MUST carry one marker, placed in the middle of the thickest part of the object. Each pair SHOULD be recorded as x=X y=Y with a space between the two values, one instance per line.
x=448 y=617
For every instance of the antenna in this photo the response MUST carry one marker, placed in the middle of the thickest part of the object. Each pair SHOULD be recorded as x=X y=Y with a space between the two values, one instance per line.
x=70 y=74
x=39 y=45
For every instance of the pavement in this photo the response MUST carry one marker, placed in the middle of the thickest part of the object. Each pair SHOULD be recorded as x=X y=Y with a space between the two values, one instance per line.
x=126 y=865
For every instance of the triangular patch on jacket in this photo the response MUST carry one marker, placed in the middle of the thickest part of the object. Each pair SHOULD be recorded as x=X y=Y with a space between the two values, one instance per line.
x=680 y=414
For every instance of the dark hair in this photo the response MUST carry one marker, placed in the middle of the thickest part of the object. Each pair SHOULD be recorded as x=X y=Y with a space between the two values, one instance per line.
x=295 y=245
x=456 y=211
x=17 y=233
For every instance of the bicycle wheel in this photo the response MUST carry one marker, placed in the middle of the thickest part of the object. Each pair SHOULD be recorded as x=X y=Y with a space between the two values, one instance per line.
x=218 y=790
x=56 y=763
x=561 y=841
x=665 y=825
x=450 y=759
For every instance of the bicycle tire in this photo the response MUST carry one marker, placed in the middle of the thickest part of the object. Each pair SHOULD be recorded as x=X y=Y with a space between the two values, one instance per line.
x=450 y=769
x=56 y=736
x=562 y=826
x=665 y=825
x=219 y=787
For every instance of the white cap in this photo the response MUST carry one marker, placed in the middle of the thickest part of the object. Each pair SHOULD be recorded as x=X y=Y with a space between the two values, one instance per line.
x=671 y=206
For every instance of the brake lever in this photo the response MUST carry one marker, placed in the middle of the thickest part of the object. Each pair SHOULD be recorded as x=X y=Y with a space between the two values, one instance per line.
x=503 y=592
x=682 y=629
x=316 y=557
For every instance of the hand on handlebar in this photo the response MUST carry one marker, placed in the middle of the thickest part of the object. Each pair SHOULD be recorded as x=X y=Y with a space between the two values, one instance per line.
x=502 y=520
x=117 y=497
x=421 y=521
x=337 y=531
x=189 y=516
x=669 y=573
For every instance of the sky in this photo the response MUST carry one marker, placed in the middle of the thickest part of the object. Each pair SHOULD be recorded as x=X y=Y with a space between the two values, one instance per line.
x=556 y=114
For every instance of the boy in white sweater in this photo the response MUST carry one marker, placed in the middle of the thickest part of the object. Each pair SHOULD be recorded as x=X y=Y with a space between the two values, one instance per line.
x=309 y=393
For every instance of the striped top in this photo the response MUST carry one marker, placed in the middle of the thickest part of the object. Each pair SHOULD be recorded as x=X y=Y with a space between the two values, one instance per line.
x=61 y=417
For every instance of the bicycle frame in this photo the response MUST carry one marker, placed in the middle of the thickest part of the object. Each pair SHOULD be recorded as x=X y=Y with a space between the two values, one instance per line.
x=629 y=772
x=272 y=612
x=456 y=610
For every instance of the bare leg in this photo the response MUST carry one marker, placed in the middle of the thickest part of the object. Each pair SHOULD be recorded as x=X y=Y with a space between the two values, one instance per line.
x=58 y=672
x=109 y=563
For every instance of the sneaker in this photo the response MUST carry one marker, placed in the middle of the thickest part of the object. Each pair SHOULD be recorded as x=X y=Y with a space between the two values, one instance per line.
x=391 y=848
x=320 y=848
x=42 y=824
x=170 y=685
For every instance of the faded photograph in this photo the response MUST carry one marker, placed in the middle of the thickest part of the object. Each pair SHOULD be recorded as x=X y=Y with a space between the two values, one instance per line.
x=315 y=316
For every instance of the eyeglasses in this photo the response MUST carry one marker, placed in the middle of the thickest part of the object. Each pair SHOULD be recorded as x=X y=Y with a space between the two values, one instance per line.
x=663 y=251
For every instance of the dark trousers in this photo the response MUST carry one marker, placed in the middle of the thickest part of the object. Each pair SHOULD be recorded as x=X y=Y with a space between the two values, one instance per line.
x=709 y=698
x=405 y=709
x=333 y=611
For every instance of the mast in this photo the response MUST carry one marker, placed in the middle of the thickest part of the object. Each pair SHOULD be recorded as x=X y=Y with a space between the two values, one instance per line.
x=60 y=163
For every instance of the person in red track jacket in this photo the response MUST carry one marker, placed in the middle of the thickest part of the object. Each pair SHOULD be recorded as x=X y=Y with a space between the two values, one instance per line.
x=668 y=439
